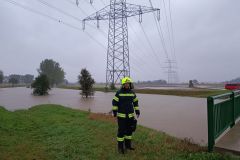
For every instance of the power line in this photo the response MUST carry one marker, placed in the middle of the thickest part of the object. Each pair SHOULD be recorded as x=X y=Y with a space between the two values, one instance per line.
x=170 y=37
x=53 y=19
x=139 y=57
x=137 y=47
x=141 y=62
x=151 y=47
x=67 y=14
x=104 y=21
x=130 y=38
x=61 y=11
x=118 y=50
x=170 y=12
x=149 y=43
x=96 y=11
x=69 y=1
x=172 y=43
x=139 y=51
x=160 y=32
x=170 y=71
x=140 y=39
x=147 y=71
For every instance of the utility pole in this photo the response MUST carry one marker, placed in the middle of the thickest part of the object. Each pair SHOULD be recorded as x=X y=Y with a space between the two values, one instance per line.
x=118 y=65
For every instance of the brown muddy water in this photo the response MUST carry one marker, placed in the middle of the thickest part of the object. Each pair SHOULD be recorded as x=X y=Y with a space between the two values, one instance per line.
x=182 y=117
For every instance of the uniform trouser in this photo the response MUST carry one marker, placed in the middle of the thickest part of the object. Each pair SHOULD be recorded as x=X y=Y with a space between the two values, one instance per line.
x=124 y=129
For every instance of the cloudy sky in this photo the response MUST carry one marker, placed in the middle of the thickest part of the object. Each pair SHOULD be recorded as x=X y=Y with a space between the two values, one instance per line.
x=206 y=39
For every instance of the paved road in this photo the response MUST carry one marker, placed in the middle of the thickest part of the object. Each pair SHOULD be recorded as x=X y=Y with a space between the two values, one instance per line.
x=231 y=140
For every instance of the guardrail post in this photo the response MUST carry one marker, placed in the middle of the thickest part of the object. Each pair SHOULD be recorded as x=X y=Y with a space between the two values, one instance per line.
x=211 y=140
x=232 y=97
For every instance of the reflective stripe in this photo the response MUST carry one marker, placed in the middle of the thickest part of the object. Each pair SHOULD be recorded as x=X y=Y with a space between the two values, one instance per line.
x=122 y=115
x=115 y=108
x=120 y=139
x=128 y=137
x=116 y=98
x=126 y=95
x=136 y=108
x=135 y=99
x=131 y=115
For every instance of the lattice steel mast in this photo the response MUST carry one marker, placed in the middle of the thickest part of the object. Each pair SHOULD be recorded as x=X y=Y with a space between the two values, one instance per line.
x=118 y=51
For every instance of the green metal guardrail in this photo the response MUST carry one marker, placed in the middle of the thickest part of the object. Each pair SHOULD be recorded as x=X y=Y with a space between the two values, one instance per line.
x=223 y=110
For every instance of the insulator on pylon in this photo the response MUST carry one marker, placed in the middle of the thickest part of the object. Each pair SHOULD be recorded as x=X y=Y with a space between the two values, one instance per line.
x=140 y=14
x=83 y=24
x=91 y=1
x=77 y=2
x=140 y=18
x=158 y=14
x=97 y=15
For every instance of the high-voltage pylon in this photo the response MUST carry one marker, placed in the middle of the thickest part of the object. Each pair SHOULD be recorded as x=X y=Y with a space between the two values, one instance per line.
x=118 y=51
x=171 y=71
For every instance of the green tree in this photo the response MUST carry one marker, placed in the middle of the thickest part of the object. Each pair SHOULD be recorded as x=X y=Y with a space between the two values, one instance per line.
x=41 y=85
x=52 y=70
x=86 y=81
x=1 y=76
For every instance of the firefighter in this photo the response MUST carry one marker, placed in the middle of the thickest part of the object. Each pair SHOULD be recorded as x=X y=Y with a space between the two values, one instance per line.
x=125 y=102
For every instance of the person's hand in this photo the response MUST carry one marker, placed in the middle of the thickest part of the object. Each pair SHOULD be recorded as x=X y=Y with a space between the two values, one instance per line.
x=137 y=113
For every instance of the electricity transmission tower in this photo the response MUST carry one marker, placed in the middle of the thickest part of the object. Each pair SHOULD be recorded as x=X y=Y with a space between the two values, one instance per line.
x=118 y=51
x=171 y=72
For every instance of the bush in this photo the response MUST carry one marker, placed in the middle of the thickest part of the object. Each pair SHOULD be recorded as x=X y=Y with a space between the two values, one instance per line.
x=41 y=85
x=86 y=81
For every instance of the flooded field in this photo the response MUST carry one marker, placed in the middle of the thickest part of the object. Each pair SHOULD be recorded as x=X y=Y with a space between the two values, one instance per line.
x=182 y=117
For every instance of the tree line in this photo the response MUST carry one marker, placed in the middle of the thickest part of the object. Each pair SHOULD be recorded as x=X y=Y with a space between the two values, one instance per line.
x=51 y=74
x=16 y=78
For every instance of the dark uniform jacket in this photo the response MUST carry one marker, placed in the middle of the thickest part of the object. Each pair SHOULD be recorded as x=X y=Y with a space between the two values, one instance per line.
x=125 y=102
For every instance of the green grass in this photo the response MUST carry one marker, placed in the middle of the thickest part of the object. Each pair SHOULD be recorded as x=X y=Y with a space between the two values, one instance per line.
x=59 y=133
x=201 y=93
x=195 y=92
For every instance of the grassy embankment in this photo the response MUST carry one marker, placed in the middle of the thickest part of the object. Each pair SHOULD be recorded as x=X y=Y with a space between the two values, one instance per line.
x=56 y=132
x=95 y=88
x=196 y=92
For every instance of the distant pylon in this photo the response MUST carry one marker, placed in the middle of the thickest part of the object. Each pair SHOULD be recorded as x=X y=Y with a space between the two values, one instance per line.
x=172 y=75
x=118 y=65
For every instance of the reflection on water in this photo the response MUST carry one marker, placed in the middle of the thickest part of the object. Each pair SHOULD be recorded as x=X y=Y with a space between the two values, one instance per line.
x=182 y=117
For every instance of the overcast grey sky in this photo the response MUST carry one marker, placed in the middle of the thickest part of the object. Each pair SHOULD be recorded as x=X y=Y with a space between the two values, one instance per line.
x=206 y=36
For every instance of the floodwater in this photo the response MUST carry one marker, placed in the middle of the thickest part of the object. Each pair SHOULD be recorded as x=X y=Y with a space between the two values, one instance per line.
x=182 y=117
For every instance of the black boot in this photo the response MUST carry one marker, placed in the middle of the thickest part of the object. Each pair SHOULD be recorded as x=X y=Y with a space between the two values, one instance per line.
x=121 y=148
x=128 y=144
